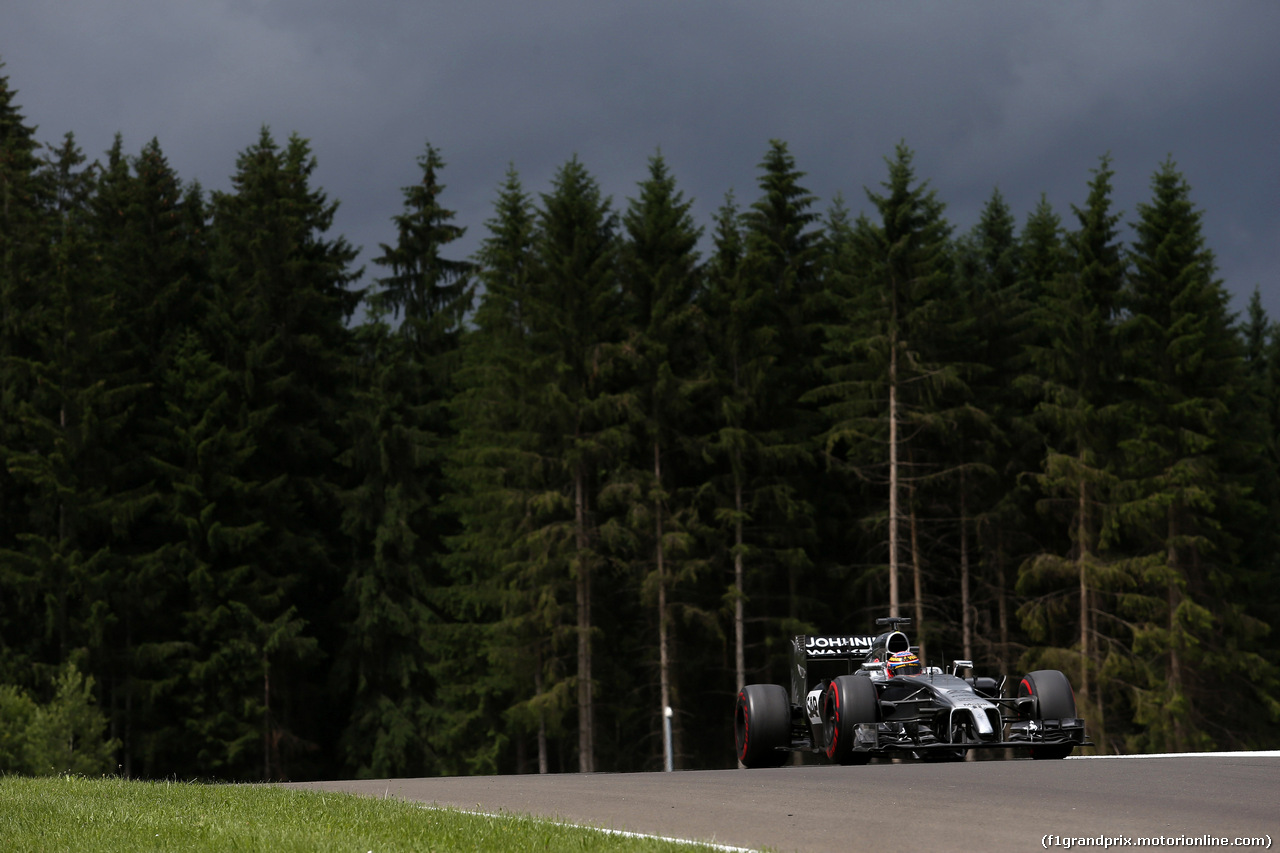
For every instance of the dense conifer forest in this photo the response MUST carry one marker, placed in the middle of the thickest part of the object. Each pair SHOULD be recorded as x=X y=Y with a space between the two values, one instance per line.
x=265 y=516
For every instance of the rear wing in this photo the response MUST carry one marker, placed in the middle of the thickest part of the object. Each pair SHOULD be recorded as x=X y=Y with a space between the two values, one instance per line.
x=816 y=659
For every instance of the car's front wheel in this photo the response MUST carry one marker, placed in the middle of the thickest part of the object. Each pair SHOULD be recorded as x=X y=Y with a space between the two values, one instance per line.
x=762 y=725
x=1052 y=699
x=848 y=702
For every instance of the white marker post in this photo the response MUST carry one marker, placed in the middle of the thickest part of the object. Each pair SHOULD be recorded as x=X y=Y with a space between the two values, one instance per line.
x=667 y=713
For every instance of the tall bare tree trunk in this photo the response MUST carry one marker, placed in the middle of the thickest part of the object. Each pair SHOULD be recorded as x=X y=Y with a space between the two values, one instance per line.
x=1002 y=605
x=893 y=479
x=542 y=718
x=586 y=733
x=1174 y=674
x=64 y=547
x=664 y=662
x=1097 y=708
x=917 y=582
x=1083 y=546
x=739 y=573
x=739 y=589
x=266 y=718
x=966 y=606
x=128 y=696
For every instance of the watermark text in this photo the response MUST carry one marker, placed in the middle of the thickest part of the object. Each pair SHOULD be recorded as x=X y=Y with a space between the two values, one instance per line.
x=1106 y=842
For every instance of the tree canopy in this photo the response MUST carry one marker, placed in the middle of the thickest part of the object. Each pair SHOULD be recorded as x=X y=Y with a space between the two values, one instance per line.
x=262 y=518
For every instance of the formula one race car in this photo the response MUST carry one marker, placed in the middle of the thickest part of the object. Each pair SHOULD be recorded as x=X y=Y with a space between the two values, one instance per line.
x=854 y=697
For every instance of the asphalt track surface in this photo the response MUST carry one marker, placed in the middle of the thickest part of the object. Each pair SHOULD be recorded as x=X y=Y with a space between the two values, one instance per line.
x=977 y=805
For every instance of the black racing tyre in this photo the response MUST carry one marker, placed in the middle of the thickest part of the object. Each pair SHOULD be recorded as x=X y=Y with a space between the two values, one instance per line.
x=848 y=701
x=1054 y=700
x=762 y=725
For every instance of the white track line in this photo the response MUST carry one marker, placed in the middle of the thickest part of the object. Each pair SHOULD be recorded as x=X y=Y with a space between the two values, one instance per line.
x=728 y=849
x=1272 y=753
x=619 y=832
x=689 y=841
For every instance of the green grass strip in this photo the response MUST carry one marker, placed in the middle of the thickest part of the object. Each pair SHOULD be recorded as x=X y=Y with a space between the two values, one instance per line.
x=109 y=815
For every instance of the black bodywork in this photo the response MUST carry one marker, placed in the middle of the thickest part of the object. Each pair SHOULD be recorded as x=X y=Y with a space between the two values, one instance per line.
x=931 y=715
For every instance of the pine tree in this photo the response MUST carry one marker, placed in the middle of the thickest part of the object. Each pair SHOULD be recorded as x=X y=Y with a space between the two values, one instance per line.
x=24 y=224
x=886 y=372
x=782 y=248
x=24 y=196
x=206 y=485
x=1042 y=255
x=151 y=258
x=1041 y=259
x=987 y=441
x=543 y=424
x=1077 y=365
x=1258 y=564
x=510 y=588
x=278 y=326
x=399 y=434
x=846 y=551
x=660 y=280
x=761 y=288
x=64 y=423
x=430 y=293
x=575 y=315
x=82 y=458
x=738 y=349
x=1184 y=371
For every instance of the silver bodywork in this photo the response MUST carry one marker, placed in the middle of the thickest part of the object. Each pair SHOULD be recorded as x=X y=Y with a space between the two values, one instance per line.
x=930 y=714
x=960 y=696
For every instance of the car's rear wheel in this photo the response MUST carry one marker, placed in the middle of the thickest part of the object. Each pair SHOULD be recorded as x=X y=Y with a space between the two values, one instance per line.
x=762 y=725
x=848 y=702
x=1054 y=700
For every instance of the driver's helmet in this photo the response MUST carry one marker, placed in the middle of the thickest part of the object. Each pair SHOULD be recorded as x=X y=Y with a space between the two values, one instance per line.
x=902 y=663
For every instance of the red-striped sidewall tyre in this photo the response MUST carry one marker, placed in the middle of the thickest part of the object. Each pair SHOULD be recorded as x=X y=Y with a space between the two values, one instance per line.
x=1054 y=700
x=848 y=701
x=762 y=725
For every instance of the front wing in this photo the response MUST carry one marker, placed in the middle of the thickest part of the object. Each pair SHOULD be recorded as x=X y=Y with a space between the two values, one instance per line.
x=877 y=739
x=920 y=726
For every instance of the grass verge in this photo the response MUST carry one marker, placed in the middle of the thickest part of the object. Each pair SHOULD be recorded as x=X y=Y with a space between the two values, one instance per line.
x=70 y=813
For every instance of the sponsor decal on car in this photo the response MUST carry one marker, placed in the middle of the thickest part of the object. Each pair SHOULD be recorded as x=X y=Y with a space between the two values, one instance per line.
x=811 y=706
x=819 y=646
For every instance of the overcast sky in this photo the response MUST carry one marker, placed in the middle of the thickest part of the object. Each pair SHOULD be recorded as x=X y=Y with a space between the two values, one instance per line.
x=1023 y=96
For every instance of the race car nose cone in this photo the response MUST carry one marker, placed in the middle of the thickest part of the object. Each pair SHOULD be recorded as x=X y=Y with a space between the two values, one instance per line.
x=980 y=721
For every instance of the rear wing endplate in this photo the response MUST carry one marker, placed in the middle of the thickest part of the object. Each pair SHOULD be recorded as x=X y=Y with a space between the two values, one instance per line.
x=832 y=655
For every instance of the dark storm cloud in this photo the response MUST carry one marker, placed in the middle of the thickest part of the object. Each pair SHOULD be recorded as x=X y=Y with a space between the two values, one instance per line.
x=1021 y=96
